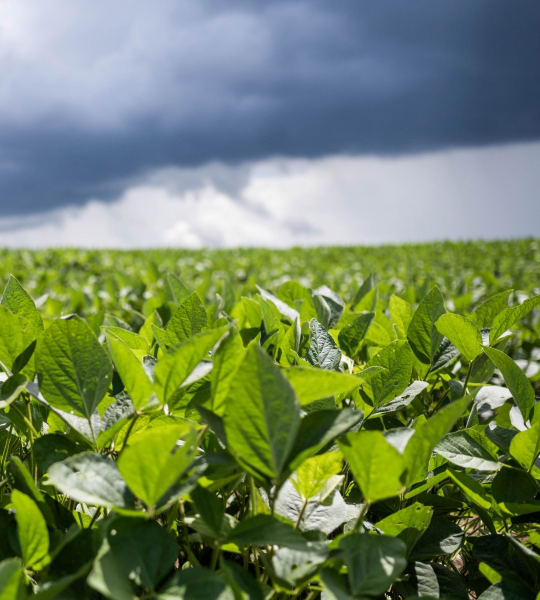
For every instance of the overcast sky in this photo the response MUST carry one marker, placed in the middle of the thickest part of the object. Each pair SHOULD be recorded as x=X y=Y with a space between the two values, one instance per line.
x=246 y=122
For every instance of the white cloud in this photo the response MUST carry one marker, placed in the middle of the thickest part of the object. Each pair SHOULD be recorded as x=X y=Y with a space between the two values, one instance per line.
x=488 y=193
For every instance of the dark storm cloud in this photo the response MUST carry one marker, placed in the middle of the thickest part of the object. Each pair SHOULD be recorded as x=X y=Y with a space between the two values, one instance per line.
x=256 y=79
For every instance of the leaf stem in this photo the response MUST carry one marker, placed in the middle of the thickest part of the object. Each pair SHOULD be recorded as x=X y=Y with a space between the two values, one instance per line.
x=128 y=433
x=25 y=418
x=363 y=513
x=301 y=514
x=464 y=391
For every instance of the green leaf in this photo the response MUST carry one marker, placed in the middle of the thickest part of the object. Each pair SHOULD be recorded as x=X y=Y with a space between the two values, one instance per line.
x=441 y=538
x=210 y=507
x=179 y=289
x=153 y=461
x=31 y=530
x=262 y=414
x=374 y=562
x=226 y=359
x=319 y=428
x=375 y=464
x=511 y=485
x=92 y=479
x=484 y=314
x=427 y=435
x=401 y=313
x=130 y=339
x=422 y=334
x=401 y=401
x=473 y=491
x=74 y=370
x=174 y=369
x=350 y=337
x=196 y=583
x=12 y=580
x=312 y=384
x=108 y=578
x=525 y=448
x=16 y=334
x=463 y=333
x=323 y=351
x=461 y=449
x=509 y=316
x=142 y=549
x=431 y=580
x=187 y=320
x=407 y=524
x=314 y=472
x=265 y=530
x=53 y=448
x=19 y=302
x=368 y=285
x=334 y=303
x=397 y=362
x=134 y=377
x=516 y=380
x=282 y=307
x=11 y=388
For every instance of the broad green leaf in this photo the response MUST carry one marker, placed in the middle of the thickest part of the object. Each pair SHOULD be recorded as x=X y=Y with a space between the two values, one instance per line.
x=312 y=384
x=12 y=580
x=74 y=370
x=153 y=461
x=401 y=313
x=512 y=485
x=187 y=320
x=461 y=449
x=282 y=307
x=401 y=401
x=397 y=361
x=313 y=473
x=31 y=530
x=227 y=359
x=196 y=583
x=173 y=369
x=471 y=488
x=130 y=339
x=441 y=538
x=19 y=302
x=16 y=334
x=107 y=576
x=509 y=316
x=53 y=448
x=333 y=301
x=446 y=353
x=516 y=380
x=484 y=314
x=374 y=562
x=322 y=351
x=142 y=549
x=265 y=530
x=462 y=332
x=407 y=524
x=319 y=428
x=262 y=414
x=430 y=581
x=350 y=337
x=11 y=389
x=525 y=448
x=422 y=334
x=92 y=479
x=368 y=285
x=179 y=289
x=135 y=380
x=300 y=297
x=210 y=507
x=427 y=435
x=375 y=464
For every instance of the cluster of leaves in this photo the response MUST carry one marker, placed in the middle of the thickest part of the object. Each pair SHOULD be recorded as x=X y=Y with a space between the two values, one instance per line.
x=271 y=446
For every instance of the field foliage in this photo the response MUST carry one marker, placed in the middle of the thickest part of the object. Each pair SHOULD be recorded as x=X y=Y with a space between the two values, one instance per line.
x=335 y=423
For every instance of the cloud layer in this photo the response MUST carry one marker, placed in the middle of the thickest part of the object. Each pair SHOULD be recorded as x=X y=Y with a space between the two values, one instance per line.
x=474 y=193
x=96 y=96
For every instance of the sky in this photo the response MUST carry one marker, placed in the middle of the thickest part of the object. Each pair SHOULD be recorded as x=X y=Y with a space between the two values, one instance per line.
x=221 y=123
